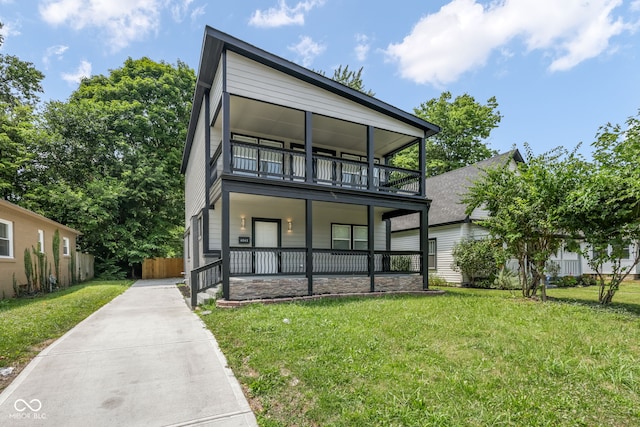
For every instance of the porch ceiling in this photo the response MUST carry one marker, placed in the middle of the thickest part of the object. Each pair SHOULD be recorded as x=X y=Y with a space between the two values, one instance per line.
x=255 y=117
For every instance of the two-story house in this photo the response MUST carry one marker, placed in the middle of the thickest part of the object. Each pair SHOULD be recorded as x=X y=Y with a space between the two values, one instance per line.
x=289 y=183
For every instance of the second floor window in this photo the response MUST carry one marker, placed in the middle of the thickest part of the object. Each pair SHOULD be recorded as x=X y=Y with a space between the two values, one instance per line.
x=66 y=251
x=6 y=239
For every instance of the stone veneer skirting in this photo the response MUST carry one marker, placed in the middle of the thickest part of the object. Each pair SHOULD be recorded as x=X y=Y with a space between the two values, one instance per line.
x=249 y=288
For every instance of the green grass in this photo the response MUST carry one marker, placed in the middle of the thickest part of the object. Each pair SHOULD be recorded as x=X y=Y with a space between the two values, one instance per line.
x=468 y=358
x=26 y=324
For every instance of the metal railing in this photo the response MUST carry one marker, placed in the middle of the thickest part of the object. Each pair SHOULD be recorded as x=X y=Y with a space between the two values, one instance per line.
x=267 y=261
x=331 y=261
x=399 y=262
x=203 y=278
x=397 y=180
x=280 y=163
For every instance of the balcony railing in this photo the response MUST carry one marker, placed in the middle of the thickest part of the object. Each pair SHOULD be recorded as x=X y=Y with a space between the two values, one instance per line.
x=292 y=261
x=283 y=164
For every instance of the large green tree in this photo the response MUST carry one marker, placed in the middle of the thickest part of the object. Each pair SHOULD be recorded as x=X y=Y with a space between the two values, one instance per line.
x=19 y=89
x=110 y=164
x=465 y=124
x=525 y=208
x=603 y=211
x=350 y=78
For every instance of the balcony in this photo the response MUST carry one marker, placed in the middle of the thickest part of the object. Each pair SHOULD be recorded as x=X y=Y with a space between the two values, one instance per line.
x=283 y=164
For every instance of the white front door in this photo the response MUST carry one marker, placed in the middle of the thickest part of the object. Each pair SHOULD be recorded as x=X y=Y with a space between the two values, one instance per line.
x=266 y=236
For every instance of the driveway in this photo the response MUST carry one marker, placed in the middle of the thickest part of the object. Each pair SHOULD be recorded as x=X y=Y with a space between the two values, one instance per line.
x=143 y=359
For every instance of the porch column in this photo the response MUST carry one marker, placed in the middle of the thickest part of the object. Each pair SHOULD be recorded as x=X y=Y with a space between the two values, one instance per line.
x=226 y=133
x=422 y=159
x=308 y=146
x=308 y=231
x=371 y=244
x=226 y=251
x=424 y=245
x=370 y=158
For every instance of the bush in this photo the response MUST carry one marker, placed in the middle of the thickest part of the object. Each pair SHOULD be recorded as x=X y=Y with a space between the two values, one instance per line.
x=401 y=263
x=507 y=280
x=435 y=280
x=566 y=282
x=587 y=280
x=477 y=260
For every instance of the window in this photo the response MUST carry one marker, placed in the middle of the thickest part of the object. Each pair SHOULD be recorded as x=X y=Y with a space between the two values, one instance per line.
x=6 y=239
x=620 y=251
x=431 y=256
x=249 y=159
x=65 y=246
x=187 y=243
x=347 y=237
x=200 y=229
x=41 y=240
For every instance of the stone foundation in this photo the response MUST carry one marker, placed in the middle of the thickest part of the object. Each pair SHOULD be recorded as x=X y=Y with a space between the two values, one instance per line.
x=268 y=287
x=249 y=288
x=398 y=283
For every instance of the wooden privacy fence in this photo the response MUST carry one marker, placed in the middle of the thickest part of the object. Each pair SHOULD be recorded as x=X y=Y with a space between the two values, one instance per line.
x=162 y=268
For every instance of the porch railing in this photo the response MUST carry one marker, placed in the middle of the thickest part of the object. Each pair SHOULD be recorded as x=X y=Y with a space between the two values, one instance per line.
x=203 y=278
x=280 y=163
x=292 y=261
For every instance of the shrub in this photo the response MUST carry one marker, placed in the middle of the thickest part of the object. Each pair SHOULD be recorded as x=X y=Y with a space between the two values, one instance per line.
x=567 y=282
x=506 y=279
x=476 y=259
x=587 y=280
x=401 y=263
x=435 y=280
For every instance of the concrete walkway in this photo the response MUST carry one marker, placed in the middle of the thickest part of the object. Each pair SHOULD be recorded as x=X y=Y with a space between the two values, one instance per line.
x=143 y=359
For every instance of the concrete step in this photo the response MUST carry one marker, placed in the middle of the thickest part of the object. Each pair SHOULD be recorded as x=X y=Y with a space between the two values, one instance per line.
x=209 y=295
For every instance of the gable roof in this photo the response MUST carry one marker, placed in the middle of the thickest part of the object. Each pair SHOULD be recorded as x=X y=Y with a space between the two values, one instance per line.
x=5 y=205
x=215 y=42
x=446 y=191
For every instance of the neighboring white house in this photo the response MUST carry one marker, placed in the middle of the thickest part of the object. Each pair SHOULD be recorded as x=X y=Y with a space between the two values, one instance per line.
x=288 y=183
x=449 y=224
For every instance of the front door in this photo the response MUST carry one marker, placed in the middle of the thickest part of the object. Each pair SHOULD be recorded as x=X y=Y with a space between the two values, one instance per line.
x=266 y=233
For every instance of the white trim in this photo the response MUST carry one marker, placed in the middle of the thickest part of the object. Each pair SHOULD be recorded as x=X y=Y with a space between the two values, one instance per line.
x=41 y=241
x=9 y=237
x=66 y=246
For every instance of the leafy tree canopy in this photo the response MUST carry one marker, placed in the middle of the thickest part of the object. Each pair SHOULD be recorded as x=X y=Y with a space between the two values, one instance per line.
x=464 y=124
x=350 y=78
x=109 y=165
x=19 y=89
x=604 y=210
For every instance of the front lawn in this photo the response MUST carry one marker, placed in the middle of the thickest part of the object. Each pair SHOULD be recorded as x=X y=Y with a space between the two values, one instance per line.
x=470 y=357
x=28 y=324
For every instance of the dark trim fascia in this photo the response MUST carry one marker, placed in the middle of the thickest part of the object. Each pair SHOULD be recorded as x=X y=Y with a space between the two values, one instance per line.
x=397 y=213
x=297 y=190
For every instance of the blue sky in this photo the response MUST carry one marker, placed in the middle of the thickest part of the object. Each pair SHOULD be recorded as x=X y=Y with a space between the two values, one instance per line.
x=559 y=69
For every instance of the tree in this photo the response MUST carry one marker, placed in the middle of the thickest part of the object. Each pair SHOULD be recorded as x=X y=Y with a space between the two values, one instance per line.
x=109 y=165
x=464 y=125
x=19 y=89
x=604 y=211
x=350 y=78
x=477 y=259
x=524 y=210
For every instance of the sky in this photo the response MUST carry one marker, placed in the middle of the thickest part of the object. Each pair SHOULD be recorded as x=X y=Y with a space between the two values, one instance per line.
x=559 y=69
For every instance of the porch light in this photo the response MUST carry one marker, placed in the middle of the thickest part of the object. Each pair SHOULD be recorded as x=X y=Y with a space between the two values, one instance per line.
x=241 y=223
x=290 y=225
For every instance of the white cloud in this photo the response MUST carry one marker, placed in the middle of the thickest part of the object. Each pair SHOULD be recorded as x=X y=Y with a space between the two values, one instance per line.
x=362 y=47
x=123 y=21
x=464 y=33
x=282 y=14
x=180 y=10
x=56 y=50
x=198 y=11
x=83 y=70
x=9 y=29
x=307 y=50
